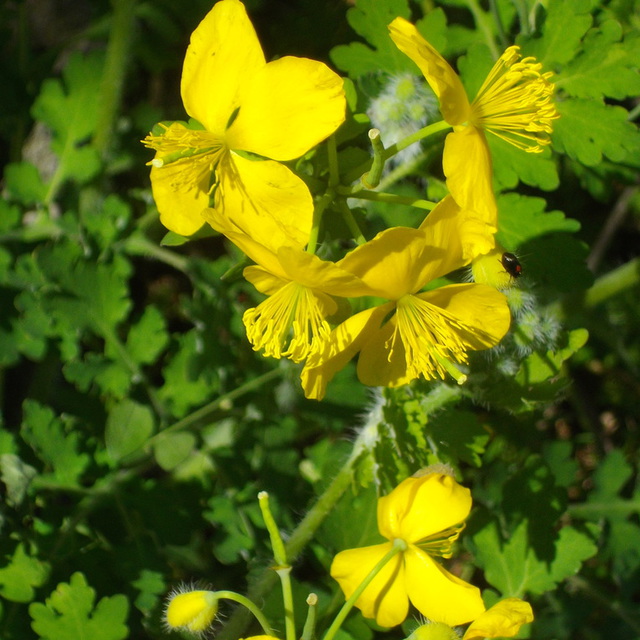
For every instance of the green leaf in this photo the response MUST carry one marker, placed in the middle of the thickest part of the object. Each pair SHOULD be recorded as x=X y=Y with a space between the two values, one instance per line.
x=605 y=66
x=540 y=367
x=23 y=183
x=151 y=586
x=129 y=426
x=148 y=337
x=512 y=165
x=458 y=437
x=69 y=612
x=55 y=443
x=605 y=501
x=370 y=19
x=522 y=218
x=565 y=24
x=173 y=448
x=588 y=130
x=68 y=108
x=21 y=576
x=511 y=566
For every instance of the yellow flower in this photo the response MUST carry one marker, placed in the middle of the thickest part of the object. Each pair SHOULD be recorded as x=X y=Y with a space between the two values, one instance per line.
x=503 y=620
x=249 y=110
x=414 y=334
x=426 y=512
x=192 y=610
x=291 y=322
x=514 y=103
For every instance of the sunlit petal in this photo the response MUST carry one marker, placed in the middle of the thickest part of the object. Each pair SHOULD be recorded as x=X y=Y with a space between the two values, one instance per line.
x=503 y=620
x=444 y=81
x=422 y=506
x=467 y=165
x=266 y=200
x=223 y=53
x=286 y=108
x=436 y=593
x=385 y=599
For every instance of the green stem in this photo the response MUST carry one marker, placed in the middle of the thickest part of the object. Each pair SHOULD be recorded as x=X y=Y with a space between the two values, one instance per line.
x=248 y=604
x=350 y=221
x=115 y=70
x=397 y=547
x=332 y=157
x=620 y=279
x=303 y=533
x=371 y=178
x=207 y=410
x=421 y=134
x=309 y=631
x=498 y=22
x=391 y=198
x=321 y=205
x=283 y=569
x=482 y=24
x=139 y=245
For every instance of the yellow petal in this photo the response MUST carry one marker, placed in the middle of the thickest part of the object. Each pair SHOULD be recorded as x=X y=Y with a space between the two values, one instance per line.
x=467 y=165
x=503 y=620
x=286 y=108
x=382 y=362
x=421 y=507
x=264 y=280
x=250 y=246
x=481 y=311
x=393 y=263
x=180 y=206
x=436 y=593
x=266 y=200
x=444 y=81
x=345 y=341
x=385 y=599
x=223 y=53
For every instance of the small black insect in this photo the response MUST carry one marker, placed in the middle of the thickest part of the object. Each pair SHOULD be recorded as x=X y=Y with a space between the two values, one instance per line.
x=511 y=265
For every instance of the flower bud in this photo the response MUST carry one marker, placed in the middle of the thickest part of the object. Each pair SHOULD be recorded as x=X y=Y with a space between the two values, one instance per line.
x=191 y=610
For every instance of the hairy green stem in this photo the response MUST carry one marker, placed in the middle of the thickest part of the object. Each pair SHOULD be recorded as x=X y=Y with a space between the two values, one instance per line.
x=482 y=24
x=624 y=277
x=301 y=535
x=115 y=71
x=250 y=606
x=390 y=198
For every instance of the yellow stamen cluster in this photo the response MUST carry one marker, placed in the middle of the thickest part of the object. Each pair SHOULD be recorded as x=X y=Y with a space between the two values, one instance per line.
x=289 y=323
x=195 y=154
x=430 y=336
x=515 y=102
x=441 y=543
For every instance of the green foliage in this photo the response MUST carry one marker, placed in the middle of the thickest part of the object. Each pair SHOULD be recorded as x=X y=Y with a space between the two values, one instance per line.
x=71 y=612
x=137 y=425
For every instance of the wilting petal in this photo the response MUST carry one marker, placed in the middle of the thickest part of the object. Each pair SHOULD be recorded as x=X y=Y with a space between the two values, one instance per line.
x=438 y=594
x=286 y=108
x=444 y=81
x=503 y=620
x=422 y=506
x=180 y=205
x=482 y=313
x=223 y=53
x=467 y=165
x=385 y=599
x=266 y=200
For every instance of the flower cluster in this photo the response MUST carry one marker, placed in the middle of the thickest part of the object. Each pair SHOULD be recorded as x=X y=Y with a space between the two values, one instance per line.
x=227 y=168
x=421 y=519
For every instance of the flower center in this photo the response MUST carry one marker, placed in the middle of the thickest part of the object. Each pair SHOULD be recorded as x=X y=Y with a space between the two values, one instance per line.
x=515 y=102
x=192 y=155
x=430 y=336
x=441 y=543
x=290 y=323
